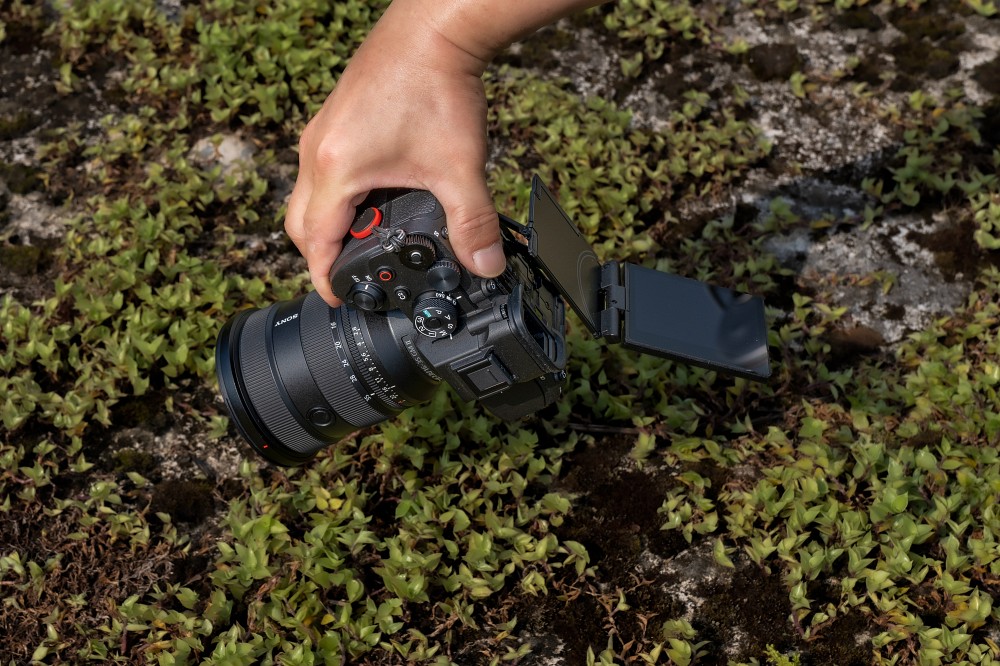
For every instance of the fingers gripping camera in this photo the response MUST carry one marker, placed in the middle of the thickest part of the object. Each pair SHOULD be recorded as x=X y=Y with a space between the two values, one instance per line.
x=299 y=375
x=397 y=258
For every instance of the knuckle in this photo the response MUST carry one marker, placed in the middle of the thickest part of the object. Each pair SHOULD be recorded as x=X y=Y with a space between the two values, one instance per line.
x=293 y=229
x=329 y=155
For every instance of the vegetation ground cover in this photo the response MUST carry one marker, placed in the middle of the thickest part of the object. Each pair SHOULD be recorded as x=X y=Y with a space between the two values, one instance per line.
x=842 y=513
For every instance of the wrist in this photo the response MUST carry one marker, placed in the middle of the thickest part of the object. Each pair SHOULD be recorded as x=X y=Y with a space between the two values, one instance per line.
x=430 y=35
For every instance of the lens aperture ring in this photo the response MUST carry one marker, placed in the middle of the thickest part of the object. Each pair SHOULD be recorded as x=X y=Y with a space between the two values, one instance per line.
x=263 y=391
x=321 y=331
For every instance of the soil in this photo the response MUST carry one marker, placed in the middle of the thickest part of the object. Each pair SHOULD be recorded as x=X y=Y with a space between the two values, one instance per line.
x=823 y=147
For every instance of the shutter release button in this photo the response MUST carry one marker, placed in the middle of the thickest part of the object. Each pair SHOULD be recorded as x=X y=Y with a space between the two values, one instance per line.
x=362 y=227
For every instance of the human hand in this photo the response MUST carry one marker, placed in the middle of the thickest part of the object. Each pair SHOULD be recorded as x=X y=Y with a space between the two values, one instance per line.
x=408 y=111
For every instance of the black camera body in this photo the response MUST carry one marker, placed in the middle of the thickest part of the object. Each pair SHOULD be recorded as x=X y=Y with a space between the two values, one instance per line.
x=499 y=341
x=299 y=375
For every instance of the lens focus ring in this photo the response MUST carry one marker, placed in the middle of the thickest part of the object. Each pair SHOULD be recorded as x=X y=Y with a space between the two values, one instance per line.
x=260 y=384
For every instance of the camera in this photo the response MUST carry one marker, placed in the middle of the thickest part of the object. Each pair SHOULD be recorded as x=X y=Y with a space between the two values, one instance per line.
x=299 y=375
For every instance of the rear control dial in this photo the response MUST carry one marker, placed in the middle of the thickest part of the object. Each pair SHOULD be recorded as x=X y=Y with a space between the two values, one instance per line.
x=444 y=275
x=435 y=317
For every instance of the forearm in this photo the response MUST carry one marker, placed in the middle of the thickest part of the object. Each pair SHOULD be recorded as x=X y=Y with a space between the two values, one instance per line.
x=479 y=29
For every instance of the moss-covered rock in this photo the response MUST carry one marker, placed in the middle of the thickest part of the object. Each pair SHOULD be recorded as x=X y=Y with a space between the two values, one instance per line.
x=859 y=18
x=770 y=62
x=133 y=460
x=22 y=259
x=20 y=178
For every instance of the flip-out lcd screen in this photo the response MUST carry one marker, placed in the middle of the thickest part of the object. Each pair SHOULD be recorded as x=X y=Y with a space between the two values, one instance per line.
x=675 y=317
x=665 y=315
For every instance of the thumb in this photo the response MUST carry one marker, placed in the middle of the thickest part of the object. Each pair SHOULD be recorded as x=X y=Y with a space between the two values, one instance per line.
x=473 y=225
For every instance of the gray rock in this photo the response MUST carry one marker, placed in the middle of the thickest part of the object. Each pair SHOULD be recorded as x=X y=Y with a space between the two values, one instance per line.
x=230 y=151
x=32 y=221
x=888 y=281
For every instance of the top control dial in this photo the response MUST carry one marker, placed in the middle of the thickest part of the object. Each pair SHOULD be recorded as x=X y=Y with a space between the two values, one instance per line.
x=418 y=252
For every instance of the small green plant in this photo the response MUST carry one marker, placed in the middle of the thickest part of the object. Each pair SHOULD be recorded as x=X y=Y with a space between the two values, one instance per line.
x=776 y=658
x=864 y=486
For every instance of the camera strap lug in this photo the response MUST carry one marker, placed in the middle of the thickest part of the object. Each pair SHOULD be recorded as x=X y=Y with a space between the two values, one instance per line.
x=391 y=240
x=613 y=298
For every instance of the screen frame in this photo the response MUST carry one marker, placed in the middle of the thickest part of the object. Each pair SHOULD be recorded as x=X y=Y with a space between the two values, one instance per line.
x=546 y=218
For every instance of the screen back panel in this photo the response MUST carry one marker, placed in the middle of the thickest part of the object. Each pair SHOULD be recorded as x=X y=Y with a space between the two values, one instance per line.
x=690 y=321
x=565 y=255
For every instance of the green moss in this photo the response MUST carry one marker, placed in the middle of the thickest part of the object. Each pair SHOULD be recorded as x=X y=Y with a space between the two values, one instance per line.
x=859 y=18
x=22 y=259
x=15 y=125
x=436 y=530
x=133 y=460
x=20 y=178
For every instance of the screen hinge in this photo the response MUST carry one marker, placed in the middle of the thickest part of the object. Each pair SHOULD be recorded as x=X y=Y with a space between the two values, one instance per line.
x=613 y=301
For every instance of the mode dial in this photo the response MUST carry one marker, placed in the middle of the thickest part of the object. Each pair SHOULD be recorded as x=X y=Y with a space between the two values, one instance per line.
x=444 y=275
x=435 y=317
x=418 y=252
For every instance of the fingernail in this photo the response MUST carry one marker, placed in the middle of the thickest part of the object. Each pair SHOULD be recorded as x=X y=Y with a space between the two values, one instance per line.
x=490 y=261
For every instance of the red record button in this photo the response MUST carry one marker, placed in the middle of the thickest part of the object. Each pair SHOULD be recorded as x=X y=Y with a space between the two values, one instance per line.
x=362 y=227
x=386 y=274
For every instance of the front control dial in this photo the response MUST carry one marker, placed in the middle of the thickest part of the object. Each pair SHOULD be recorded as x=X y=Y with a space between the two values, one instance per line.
x=435 y=317
x=366 y=296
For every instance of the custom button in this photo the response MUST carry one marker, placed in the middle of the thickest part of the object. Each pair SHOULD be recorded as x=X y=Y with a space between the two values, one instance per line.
x=320 y=416
x=368 y=220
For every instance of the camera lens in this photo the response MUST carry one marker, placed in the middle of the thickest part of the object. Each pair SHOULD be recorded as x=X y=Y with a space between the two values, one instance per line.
x=299 y=375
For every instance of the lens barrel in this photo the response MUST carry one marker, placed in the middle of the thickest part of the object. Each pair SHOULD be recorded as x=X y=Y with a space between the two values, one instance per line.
x=299 y=375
